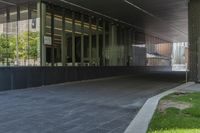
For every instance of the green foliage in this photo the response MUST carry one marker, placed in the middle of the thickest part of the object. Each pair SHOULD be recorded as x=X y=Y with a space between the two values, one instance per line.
x=8 y=48
x=177 y=131
x=28 y=50
x=178 y=121
x=33 y=47
x=12 y=48
x=3 y=48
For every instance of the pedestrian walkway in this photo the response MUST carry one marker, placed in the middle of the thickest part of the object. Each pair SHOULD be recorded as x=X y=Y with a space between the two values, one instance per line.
x=193 y=88
x=101 y=106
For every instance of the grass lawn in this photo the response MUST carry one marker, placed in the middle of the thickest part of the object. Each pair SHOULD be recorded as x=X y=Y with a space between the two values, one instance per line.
x=174 y=120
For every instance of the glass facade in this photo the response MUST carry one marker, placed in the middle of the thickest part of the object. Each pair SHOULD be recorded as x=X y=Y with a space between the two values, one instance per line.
x=20 y=35
x=180 y=56
x=151 y=51
x=158 y=52
x=43 y=34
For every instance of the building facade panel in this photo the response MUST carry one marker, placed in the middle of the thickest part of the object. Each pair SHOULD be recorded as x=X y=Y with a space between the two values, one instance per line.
x=41 y=33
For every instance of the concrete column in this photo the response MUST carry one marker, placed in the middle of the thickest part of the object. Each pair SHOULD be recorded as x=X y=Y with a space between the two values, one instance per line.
x=73 y=40
x=97 y=42
x=52 y=37
x=121 y=37
x=42 y=32
x=7 y=21
x=130 y=47
x=110 y=50
x=125 y=46
x=82 y=40
x=104 y=42
x=113 y=44
x=90 y=41
x=63 y=45
x=39 y=49
x=194 y=40
x=17 y=39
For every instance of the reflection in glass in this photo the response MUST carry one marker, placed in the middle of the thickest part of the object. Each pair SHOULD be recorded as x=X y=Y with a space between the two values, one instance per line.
x=3 y=38
x=34 y=37
x=57 y=39
x=107 y=57
x=23 y=36
x=68 y=33
x=86 y=41
x=100 y=33
x=78 y=33
x=94 y=40
x=12 y=37
x=19 y=36
x=48 y=33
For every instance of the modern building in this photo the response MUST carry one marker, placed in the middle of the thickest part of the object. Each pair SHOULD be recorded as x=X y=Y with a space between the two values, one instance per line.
x=47 y=33
x=45 y=36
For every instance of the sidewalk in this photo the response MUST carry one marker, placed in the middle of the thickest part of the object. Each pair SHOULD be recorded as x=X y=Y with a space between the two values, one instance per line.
x=141 y=122
x=193 y=88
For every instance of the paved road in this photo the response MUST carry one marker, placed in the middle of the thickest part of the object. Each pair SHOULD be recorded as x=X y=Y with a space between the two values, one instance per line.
x=104 y=106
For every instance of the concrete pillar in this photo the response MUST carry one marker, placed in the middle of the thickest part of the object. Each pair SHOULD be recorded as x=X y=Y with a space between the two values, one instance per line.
x=39 y=40
x=131 y=47
x=194 y=39
x=125 y=34
x=42 y=32
x=82 y=40
x=129 y=50
x=53 y=63
x=17 y=39
x=121 y=41
x=97 y=42
x=63 y=44
x=90 y=41
x=73 y=40
x=113 y=44
x=104 y=42
x=7 y=21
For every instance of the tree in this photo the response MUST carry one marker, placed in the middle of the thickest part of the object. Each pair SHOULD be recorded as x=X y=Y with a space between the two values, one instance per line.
x=28 y=46
x=3 y=48
x=33 y=45
x=12 y=39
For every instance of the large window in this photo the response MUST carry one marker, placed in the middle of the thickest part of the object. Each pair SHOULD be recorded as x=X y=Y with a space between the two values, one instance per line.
x=120 y=43
x=101 y=43
x=86 y=40
x=3 y=38
x=94 y=40
x=57 y=39
x=68 y=33
x=81 y=43
x=19 y=35
x=158 y=52
x=48 y=34
x=71 y=38
x=34 y=36
x=53 y=30
x=12 y=57
x=23 y=36
x=106 y=50
x=78 y=35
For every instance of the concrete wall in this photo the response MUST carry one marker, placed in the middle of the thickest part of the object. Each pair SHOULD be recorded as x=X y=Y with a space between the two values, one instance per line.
x=194 y=39
x=25 y=77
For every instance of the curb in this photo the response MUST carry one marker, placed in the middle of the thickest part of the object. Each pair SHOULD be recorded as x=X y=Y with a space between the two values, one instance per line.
x=141 y=121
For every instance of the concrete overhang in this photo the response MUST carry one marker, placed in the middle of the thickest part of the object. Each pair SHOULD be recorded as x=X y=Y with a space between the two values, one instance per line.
x=166 y=19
